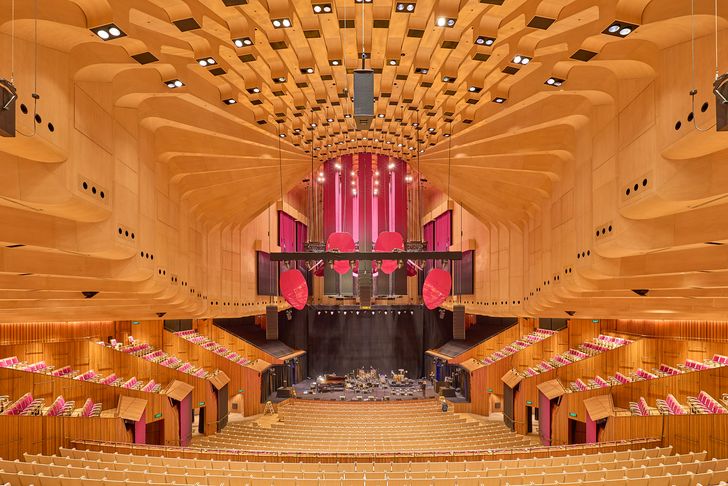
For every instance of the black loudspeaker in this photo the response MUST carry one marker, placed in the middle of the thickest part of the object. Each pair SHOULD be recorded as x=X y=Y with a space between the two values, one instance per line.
x=720 y=88
x=284 y=392
x=271 y=322
x=365 y=283
x=7 y=108
x=363 y=98
x=458 y=321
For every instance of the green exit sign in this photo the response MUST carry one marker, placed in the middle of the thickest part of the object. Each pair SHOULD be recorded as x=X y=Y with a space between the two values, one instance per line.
x=595 y=321
x=158 y=415
x=135 y=322
x=572 y=414
x=529 y=402
x=240 y=390
x=201 y=404
x=490 y=390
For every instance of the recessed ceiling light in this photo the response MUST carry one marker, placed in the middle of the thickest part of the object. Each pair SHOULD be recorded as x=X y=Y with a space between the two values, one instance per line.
x=174 y=83
x=381 y=115
x=448 y=79
x=335 y=62
x=330 y=120
x=499 y=100
x=282 y=23
x=518 y=59
x=556 y=82
x=404 y=7
x=229 y=101
x=445 y=22
x=484 y=41
x=322 y=8
x=393 y=62
x=308 y=70
x=620 y=29
x=475 y=89
x=243 y=42
x=108 y=32
x=279 y=79
x=347 y=115
x=282 y=135
x=253 y=90
x=313 y=125
x=206 y=61
x=422 y=70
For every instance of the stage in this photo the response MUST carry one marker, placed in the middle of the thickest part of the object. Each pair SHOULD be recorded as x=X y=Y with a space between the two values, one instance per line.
x=303 y=390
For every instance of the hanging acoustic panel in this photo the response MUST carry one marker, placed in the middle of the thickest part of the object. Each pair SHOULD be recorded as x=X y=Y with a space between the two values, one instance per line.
x=436 y=288
x=344 y=243
x=389 y=241
x=294 y=288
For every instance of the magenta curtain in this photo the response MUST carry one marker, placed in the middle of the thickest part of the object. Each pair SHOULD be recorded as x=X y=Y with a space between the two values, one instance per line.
x=544 y=419
x=301 y=235
x=443 y=231
x=591 y=430
x=185 y=420
x=286 y=232
x=140 y=429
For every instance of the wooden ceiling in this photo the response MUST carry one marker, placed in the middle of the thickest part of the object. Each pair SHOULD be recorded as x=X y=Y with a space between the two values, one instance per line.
x=543 y=166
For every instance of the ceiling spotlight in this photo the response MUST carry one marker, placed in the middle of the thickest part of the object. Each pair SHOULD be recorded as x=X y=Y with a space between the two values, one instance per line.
x=521 y=60
x=279 y=79
x=243 y=42
x=380 y=115
x=229 y=101
x=422 y=70
x=322 y=8
x=313 y=125
x=446 y=135
x=448 y=79
x=337 y=165
x=555 y=82
x=330 y=120
x=347 y=115
x=282 y=23
x=619 y=29
x=499 y=100
x=335 y=62
x=484 y=41
x=282 y=135
x=393 y=62
x=108 y=32
x=206 y=61
x=308 y=70
x=253 y=90
x=405 y=7
x=392 y=165
x=431 y=129
x=475 y=89
x=174 y=83
x=445 y=22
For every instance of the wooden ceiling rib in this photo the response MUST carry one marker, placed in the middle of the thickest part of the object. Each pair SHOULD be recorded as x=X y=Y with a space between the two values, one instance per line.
x=577 y=193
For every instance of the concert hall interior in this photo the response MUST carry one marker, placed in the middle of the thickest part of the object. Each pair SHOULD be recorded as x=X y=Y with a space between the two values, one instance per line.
x=364 y=242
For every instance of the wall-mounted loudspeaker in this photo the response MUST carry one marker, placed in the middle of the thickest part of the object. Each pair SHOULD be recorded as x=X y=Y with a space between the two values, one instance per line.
x=7 y=108
x=458 y=321
x=720 y=88
x=271 y=322
x=365 y=283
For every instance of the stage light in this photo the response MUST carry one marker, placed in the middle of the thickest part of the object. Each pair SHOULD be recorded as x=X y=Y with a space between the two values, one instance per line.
x=344 y=312
x=243 y=41
x=229 y=101
x=319 y=312
x=399 y=313
x=174 y=83
x=282 y=23
x=484 y=41
x=337 y=166
x=392 y=165
x=518 y=59
x=206 y=61
x=108 y=32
